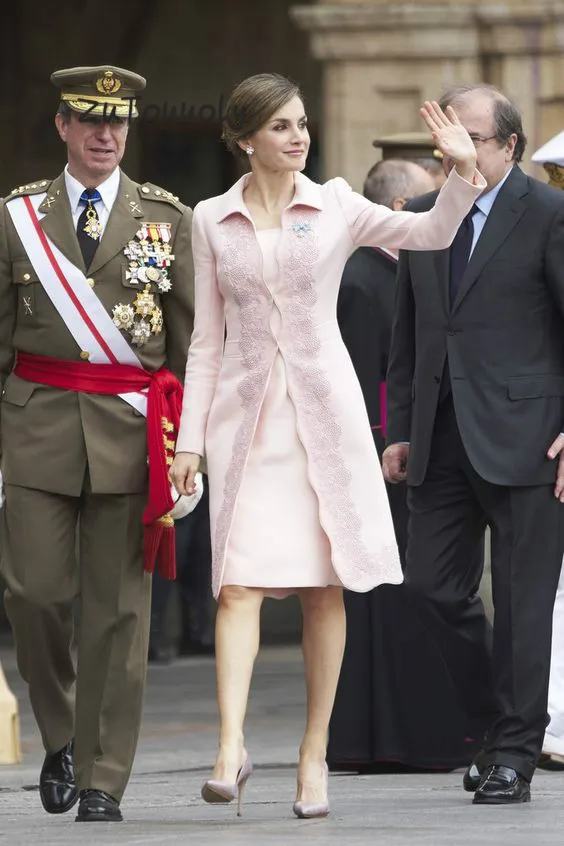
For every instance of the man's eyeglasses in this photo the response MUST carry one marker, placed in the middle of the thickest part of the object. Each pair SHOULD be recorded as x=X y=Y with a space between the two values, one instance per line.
x=478 y=140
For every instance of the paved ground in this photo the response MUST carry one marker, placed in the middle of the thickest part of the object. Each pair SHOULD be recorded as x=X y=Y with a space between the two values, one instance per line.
x=162 y=804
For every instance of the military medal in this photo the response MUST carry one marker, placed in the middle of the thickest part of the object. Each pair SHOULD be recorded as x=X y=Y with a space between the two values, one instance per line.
x=144 y=302
x=156 y=321
x=123 y=316
x=92 y=227
x=140 y=333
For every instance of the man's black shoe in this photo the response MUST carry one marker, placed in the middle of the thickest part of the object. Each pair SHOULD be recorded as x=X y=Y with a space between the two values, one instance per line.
x=473 y=775
x=57 y=784
x=502 y=786
x=472 y=778
x=97 y=806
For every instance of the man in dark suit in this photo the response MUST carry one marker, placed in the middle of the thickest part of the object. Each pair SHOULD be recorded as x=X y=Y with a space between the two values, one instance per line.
x=475 y=408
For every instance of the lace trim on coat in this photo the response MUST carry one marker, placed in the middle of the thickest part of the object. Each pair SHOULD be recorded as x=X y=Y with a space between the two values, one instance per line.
x=240 y=263
x=318 y=426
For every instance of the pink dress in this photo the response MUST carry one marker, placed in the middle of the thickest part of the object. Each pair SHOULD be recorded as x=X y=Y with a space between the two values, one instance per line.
x=271 y=398
x=283 y=516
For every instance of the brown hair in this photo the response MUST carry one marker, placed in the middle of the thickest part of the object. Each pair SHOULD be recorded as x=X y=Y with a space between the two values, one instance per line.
x=252 y=103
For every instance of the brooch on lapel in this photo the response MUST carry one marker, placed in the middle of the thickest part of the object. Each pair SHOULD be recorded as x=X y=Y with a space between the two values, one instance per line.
x=141 y=319
x=301 y=228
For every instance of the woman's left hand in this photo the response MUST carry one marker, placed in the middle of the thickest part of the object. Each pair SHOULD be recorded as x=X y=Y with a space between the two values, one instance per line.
x=450 y=137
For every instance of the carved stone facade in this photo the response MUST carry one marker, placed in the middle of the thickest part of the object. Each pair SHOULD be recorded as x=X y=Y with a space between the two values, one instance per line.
x=380 y=60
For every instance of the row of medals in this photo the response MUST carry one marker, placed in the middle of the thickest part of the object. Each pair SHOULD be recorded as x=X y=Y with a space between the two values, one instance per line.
x=143 y=317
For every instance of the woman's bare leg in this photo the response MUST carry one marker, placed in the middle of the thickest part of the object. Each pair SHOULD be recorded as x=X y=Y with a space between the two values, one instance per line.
x=237 y=637
x=324 y=631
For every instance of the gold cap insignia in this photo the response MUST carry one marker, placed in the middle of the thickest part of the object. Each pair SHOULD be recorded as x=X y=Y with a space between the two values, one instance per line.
x=555 y=174
x=108 y=83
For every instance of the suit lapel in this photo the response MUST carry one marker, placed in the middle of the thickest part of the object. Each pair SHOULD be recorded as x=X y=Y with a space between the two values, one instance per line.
x=122 y=224
x=508 y=208
x=57 y=222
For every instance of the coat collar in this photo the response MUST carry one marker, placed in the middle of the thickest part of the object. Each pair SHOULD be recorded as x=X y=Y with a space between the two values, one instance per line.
x=307 y=193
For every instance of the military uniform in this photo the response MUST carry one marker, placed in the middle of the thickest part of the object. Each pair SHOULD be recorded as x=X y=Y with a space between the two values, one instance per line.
x=74 y=464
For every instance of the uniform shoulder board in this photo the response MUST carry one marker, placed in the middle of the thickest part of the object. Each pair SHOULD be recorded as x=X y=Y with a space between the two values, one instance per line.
x=148 y=191
x=32 y=188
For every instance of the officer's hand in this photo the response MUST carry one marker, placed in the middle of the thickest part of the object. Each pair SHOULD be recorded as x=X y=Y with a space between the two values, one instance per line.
x=557 y=449
x=394 y=463
x=183 y=472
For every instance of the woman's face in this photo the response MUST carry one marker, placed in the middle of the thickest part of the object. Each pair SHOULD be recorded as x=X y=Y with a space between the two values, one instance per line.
x=282 y=144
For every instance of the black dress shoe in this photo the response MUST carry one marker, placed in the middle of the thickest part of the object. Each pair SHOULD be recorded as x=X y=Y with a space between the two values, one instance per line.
x=57 y=784
x=502 y=786
x=473 y=775
x=97 y=806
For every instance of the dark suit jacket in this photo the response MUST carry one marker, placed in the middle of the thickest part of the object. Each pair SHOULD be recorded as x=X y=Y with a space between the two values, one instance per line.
x=364 y=312
x=504 y=338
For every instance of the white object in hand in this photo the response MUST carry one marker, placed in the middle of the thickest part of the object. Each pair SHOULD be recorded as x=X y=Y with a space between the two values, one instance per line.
x=184 y=505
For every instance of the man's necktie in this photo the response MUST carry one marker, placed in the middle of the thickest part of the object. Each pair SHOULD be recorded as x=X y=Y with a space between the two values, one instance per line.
x=89 y=228
x=460 y=253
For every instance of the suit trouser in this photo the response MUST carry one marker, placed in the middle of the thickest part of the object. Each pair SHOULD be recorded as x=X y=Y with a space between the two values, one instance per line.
x=448 y=515
x=100 y=705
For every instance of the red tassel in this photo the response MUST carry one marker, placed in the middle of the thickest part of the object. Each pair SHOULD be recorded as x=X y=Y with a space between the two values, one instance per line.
x=160 y=545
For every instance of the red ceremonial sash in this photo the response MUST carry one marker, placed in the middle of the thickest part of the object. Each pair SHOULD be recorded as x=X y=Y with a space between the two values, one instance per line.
x=164 y=405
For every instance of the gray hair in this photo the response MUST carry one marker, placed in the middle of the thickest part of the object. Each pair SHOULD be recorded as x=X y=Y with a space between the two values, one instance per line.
x=391 y=180
x=507 y=117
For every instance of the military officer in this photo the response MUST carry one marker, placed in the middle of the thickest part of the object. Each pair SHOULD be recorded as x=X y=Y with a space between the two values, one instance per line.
x=415 y=147
x=96 y=310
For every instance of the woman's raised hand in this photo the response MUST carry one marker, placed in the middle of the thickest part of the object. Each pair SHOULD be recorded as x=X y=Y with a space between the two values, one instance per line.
x=451 y=137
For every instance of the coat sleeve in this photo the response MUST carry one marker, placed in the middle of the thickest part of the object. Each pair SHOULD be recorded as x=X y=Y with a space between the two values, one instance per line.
x=206 y=347
x=8 y=304
x=178 y=304
x=373 y=225
x=401 y=361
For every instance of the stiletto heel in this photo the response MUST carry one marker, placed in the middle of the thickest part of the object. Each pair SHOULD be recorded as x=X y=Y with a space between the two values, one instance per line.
x=215 y=791
x=311 y=810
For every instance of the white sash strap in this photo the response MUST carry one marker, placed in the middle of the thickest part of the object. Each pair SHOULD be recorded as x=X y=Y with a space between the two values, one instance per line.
x=65 y=284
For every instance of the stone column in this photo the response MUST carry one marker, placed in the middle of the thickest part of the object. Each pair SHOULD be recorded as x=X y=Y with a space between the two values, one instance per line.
x=380 y=61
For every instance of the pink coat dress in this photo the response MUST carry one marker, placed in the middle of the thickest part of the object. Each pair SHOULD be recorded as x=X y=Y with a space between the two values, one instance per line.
x=297 y=497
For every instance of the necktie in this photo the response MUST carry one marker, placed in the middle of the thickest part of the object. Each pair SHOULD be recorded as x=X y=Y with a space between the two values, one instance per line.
x=89 y=228
x=460 y=252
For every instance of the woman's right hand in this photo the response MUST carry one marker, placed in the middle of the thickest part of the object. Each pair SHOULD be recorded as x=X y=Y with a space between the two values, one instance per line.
x=183 y=472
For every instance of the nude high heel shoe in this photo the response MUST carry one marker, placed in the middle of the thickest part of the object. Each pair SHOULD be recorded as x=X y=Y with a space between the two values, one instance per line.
x=310 y=810
x=223 y=792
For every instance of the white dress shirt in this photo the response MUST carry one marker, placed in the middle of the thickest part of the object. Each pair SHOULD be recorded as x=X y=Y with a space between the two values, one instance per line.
x=108 y=191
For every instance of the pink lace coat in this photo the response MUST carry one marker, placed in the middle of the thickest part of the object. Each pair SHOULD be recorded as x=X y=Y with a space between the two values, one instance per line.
x=233 y=349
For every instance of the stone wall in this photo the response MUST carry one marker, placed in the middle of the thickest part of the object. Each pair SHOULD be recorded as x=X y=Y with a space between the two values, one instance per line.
x=381 y=60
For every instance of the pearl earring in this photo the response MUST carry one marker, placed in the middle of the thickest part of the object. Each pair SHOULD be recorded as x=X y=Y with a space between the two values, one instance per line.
x=249 y=150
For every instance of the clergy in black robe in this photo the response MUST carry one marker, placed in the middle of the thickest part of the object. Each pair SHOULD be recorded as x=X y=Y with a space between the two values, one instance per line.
x=396 y=707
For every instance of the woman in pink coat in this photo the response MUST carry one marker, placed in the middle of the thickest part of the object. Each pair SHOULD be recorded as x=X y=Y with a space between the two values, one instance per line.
x=297 y=498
